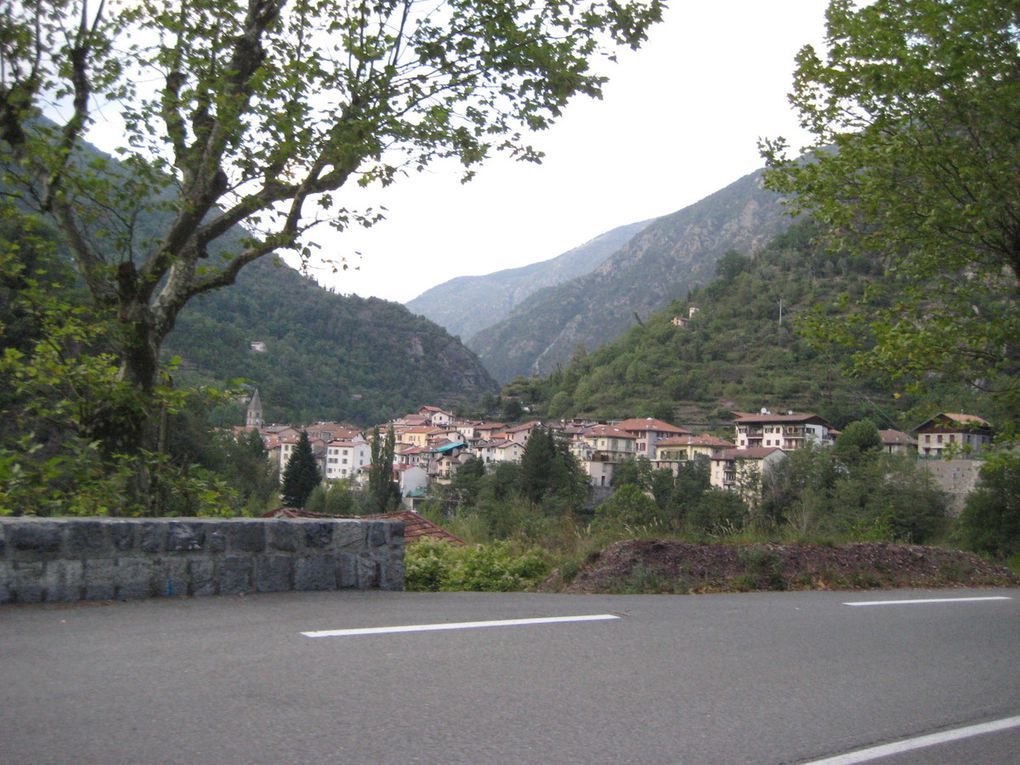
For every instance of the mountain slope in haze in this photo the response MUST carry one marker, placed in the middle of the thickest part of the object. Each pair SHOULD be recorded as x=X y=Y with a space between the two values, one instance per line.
x=326 y=356
x=661 y=263
x=455 y=304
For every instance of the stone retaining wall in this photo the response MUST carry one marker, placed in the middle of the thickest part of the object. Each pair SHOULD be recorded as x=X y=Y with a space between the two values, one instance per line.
x=68 y=559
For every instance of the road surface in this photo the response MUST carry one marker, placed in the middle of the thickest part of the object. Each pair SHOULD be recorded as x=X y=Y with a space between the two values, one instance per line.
x=756 y=678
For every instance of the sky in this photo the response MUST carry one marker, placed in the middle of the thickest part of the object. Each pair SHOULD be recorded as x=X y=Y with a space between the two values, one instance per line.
x=679 y=120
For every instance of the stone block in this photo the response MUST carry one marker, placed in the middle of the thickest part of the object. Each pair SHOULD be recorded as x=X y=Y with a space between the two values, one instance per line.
x=349 y=535
x=347 y=570
x=87 y=538
x=184 y=537
x=3 y=541
x=171 y=577
x=246 y=536
x=202 y=574
x=122 y=535
x=6 y=580
x=391 y=574
x=31 y=536
x=99 y=579
x=235 y=575
x=133 y=578
x=368 y=573
x=27 y=581
x=63 y=580
x=316 y=572
x=152 y=536
x=216 y=541
x=285 y=536
x=318 y=534
x=273 y=573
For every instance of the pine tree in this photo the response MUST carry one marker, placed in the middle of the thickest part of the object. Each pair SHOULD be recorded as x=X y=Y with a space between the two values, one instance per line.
x=301 y=475
x=384 y=495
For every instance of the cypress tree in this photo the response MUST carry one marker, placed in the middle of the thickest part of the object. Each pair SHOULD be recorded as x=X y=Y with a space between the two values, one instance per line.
x=301 y=475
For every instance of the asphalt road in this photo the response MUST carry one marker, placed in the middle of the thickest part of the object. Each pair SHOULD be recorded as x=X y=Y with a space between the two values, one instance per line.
x=674 y=680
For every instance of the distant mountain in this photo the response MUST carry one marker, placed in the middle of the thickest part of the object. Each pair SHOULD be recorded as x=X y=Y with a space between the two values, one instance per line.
x=455 y=304
x=661 y=263
x=322 y=355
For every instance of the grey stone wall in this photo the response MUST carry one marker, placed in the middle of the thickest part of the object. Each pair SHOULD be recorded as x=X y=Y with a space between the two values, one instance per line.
x=957 y=477
x=67 y=559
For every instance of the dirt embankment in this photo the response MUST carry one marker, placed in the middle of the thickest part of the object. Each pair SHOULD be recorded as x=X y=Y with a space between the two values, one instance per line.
x=660 y=566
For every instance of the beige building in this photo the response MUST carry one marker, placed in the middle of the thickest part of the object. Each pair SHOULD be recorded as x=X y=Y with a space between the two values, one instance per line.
x=741 y=470
x=790 y=431
x=649 y=432
x=961 y=433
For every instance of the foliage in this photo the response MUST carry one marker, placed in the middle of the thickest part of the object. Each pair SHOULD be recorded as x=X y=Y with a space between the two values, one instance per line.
x=255 y=114
x=434 y=565
x=735 y=354
x=383 y=491
x=301 y=474
x=332 y=498
x=857 y=494
x=628 y=506
x=914 y=111
x=990 y=522
x=549 y=472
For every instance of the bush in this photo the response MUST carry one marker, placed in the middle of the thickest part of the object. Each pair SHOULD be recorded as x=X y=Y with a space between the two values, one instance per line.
x=990 y=522
x=434 y=565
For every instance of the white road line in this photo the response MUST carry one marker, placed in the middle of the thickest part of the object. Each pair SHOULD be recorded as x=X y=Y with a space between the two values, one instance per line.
x=888 y=750
x=922 y=600
x=459 y=625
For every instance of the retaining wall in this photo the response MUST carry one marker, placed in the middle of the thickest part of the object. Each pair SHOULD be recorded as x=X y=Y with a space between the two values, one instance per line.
x=68 y=559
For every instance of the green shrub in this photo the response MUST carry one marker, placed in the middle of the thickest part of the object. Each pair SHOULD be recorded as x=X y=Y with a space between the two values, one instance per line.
x=434 y=565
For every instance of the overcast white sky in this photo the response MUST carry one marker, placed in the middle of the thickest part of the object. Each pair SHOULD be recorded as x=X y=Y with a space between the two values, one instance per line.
x=680 y=119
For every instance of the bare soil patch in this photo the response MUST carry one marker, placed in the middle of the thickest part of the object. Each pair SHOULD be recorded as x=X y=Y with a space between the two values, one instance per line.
x=662 y=566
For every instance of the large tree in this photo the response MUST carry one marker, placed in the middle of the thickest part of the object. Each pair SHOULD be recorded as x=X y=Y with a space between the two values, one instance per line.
x=264 y=114
x=914 y=108
x=301 y=474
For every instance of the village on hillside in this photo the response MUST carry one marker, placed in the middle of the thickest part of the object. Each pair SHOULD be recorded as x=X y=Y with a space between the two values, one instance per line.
x=432 y=443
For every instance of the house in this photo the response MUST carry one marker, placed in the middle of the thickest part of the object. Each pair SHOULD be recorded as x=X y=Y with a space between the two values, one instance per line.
x=344 y=457
x=741 y=470
x=600 y=447
x=521 y=433
x=897 y=442
x=413 y=480
x=790 y=431
x=964 y=433
x=670 y=453
x=440 y=418
x=333 y=431
x=498 y=450
x=486 y=431
x=648 y=431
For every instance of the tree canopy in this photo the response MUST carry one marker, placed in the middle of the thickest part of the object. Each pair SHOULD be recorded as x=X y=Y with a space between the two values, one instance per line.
x=301 y=474
x=914 y=108
x=265 y=115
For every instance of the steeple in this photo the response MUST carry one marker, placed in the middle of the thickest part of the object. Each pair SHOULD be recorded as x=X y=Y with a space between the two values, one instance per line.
x=253 y=419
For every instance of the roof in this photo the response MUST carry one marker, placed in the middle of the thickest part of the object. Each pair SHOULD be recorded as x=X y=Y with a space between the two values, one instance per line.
x=896 y=438
x=753 y=419
x=942 y=420
x=607 y=431
x=693 y=440
x=450 y=447
x=650 y=423
x=754 y=453
x=415 y=526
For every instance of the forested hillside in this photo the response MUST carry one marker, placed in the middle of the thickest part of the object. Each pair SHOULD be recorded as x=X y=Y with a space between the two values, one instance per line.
x=670 y=256
x=327 y=356
x=738 y=352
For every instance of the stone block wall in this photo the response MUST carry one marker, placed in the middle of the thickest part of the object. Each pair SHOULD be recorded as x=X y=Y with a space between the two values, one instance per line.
x=67 y=559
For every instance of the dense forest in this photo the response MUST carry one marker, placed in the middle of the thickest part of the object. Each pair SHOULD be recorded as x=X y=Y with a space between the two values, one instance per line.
x=326 y=356
x=744 y=348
